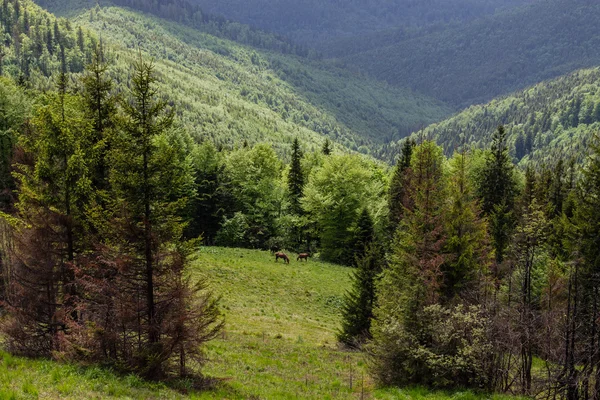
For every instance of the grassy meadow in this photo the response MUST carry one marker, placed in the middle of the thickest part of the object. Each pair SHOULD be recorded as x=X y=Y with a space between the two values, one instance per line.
x=279 y=343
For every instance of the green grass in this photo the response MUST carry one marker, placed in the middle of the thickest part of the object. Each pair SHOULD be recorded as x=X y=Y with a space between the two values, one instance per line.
x=425 y=394
x=279 y=343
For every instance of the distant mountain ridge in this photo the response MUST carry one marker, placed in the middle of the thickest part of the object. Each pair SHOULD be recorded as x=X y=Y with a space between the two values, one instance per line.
x=546 y=122
x=315 y=21
x=464 y=64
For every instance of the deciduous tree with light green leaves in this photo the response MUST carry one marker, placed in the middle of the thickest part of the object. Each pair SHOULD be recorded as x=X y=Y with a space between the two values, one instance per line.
x=254 y=175
x=335 y=195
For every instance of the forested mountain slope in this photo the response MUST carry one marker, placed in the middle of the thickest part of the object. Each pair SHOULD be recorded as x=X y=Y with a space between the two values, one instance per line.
x=551 y=120
x=186 y=13
x=225 y=91
x=314 y=21
x=471 y=63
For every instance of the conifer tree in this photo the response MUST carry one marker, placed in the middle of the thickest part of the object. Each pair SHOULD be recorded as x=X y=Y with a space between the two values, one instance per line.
x=413 y=278
x=557 y=190
x=468 y=248
x=2 y=55
x=357 y=312
x=587 y=221
x=101 y=109
x=326 y=147
x=80 y=39
x=397 y=191
x=497 y=191
x=364 y=235
x=135 y=182
x=296 y=179
x=520 y=150
x=152 y=182
x=54 y=188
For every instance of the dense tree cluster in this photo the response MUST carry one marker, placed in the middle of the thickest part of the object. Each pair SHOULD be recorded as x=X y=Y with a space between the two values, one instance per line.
x=490 y=279
x=185 y=12
x=35 y=44
x=94 y=256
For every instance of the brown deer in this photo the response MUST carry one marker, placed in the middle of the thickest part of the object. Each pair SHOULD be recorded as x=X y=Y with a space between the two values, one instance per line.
x=283 y=256
x=303 y=256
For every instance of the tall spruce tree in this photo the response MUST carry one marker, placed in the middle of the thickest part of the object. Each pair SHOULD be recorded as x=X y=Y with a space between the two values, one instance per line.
x=468 y=246
x=296 y=179
x=101 y=109
x=497 y=191
x=146 y=119
x=397 y=191
x=413 y=278
x=357 y=312
x=364 y=234
x=152 y=182
x=54 y=187
x=326 y=147
x=587 y=221
x=2 y=55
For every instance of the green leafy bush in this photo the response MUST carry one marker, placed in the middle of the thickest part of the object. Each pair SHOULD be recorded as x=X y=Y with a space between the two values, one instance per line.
x=447 y=347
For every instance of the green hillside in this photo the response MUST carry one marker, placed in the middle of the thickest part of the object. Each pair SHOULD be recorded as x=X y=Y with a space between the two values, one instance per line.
x=553 y=119
x=470 y=63
x=228 y=93
x=279 y=343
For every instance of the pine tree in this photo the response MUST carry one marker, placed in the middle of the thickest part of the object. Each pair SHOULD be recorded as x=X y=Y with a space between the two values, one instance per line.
x=364 y=235
x=146 y=119
x=326 y=147
x=152 y=182
x=557 y=190
x=468 y=248
x=54 y=189
x=397 y=191
x=80 y=40
x=587 y=241
x=497 y=190
x=413 y=279
x=357 y=312
x=2 y=55
x=101 y=109
x=296 y=179
x=520 y=150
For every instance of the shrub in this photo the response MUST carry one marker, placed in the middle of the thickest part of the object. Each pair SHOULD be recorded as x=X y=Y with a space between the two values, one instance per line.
x=447 y=347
